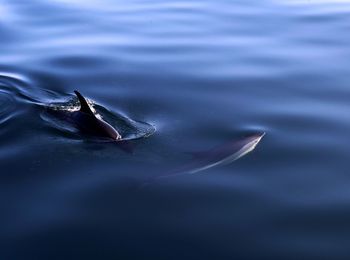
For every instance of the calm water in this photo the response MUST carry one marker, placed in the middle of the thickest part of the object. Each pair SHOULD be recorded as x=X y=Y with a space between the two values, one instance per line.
x=201 y=73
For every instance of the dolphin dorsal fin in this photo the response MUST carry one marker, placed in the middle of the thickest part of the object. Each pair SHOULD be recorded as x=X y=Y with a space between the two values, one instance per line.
x=84 y=106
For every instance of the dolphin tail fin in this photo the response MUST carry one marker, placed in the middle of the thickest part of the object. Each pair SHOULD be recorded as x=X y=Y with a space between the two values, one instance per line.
x=84 y=106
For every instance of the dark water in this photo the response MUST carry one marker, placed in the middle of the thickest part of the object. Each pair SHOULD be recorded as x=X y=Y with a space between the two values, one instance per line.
x=201 y=73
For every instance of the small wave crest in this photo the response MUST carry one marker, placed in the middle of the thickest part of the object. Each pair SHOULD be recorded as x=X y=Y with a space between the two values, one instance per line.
x=12 y=88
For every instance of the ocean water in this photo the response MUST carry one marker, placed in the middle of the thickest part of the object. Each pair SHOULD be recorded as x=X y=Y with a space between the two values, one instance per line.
x=201 y=73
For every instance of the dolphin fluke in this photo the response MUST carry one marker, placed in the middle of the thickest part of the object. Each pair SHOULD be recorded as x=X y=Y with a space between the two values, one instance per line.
x=84 y=106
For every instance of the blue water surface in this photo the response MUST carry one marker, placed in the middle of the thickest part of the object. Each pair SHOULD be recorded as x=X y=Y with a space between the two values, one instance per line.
x=202 y=73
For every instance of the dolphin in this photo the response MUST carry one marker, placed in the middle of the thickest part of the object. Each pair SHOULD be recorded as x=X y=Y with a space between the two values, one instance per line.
x=225 y=154
x=218 y=156
x=86 y=121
